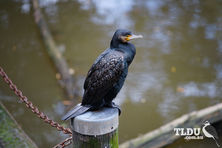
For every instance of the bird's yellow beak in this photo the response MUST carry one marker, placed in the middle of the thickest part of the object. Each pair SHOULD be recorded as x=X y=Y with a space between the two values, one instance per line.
x=130 y=37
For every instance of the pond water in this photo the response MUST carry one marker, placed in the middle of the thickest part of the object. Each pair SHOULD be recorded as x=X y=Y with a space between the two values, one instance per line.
x=177 y=68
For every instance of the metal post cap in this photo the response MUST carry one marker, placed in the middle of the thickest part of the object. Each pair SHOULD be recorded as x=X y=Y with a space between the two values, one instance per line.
x=99 y=122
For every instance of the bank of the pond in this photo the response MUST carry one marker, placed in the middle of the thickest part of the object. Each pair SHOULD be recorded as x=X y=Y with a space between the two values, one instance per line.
x=11 y=134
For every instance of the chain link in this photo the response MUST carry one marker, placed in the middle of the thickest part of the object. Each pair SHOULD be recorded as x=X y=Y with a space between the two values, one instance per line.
x=36 y=111
x=64 y=143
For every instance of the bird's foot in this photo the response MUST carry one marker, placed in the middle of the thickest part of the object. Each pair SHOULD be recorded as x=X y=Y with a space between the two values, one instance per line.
x=113 y=105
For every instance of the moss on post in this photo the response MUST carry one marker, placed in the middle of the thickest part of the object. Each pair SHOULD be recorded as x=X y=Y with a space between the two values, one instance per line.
x=109 y=140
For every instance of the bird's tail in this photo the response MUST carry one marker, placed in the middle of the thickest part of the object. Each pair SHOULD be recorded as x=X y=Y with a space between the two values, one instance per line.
x=216 y=142
x=76 y=111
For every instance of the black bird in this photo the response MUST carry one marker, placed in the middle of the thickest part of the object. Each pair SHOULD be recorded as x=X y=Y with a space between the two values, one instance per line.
x=107 y=75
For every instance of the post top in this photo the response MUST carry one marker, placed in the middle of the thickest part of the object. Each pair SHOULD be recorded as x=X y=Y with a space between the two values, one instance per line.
x=99 y=122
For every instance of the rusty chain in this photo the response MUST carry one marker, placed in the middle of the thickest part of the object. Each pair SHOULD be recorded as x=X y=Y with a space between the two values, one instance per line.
x=64 y=143
x=36 y=111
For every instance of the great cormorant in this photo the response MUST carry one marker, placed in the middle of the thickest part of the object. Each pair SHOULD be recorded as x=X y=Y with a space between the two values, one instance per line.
x=107 y=75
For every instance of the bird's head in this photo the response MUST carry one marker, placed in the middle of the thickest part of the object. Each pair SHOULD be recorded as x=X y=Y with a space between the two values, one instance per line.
x=123 y=36
x=206 y=123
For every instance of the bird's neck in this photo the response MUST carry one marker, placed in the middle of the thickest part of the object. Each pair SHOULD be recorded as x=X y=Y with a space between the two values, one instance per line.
x=124 y=47
x=127 y=49
x=116 y=43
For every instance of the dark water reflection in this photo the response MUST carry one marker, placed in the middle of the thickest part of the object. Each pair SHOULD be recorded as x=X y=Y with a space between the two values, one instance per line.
x=177 y=69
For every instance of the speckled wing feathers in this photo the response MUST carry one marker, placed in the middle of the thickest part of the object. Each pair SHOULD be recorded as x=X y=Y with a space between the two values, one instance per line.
x=102 y=76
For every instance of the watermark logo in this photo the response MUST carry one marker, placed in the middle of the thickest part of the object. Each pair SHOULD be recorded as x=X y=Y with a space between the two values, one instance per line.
x=195 y=133
x=189 y=133
x=210 y=132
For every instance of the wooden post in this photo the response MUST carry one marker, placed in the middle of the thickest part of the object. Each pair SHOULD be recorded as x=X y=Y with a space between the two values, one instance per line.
x=97 y=129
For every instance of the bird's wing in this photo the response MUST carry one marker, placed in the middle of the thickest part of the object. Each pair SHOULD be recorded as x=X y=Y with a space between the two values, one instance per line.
x=102 y=76
x=211 y=130
x=93 y=68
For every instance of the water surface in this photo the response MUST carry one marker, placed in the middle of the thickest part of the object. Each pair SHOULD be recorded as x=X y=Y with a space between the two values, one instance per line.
x=177 y=68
